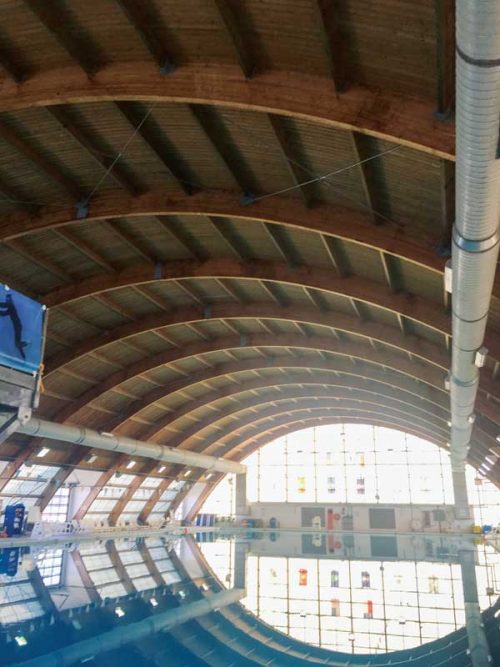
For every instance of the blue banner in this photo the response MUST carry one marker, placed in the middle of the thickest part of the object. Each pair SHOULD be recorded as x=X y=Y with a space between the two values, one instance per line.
x=21 y=331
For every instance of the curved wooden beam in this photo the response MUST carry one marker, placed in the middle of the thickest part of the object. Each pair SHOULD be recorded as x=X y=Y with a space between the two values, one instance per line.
x=374 y=331
x=328 y=220
x=233 y=447
x=313 y=397
x=380 y=114
x=283 y=426
x=251 y=421
x=331 y=220
x=413 y=307
x=292 y=426
x=352 y=377
x=296 y=313
x=211 y=398
x=281 y=416
x=427 y=374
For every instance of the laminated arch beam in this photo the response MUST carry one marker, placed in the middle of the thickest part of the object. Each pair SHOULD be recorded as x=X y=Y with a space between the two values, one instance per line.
x=296 y=313
x=426 y=374
x=342 y=371
x=311 y=396
x=429 y=375
x=381 y=114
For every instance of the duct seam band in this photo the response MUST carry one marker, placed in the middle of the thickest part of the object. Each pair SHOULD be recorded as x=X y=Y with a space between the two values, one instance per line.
x=468 y=245
x=479 y=62
x=469 y=321
x=460 y=383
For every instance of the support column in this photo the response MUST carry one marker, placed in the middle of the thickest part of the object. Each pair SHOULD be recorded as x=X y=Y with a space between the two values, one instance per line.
x=241 y=505
x=462 y=509
x=478 y=644
x=240 y=563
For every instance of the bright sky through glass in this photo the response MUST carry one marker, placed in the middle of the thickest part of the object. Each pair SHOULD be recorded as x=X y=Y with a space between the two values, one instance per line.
x=355 y=464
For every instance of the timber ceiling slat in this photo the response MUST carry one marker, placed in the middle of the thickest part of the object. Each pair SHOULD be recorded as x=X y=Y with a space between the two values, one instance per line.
x=297 y=172
x=445 y=57
x=231 y=18
x=60 y=21
x=145 y=126
x=10 y=62
x=51 y=170
x=150 y=28
x=214 y=129
x=89 y=144
x=333 y=43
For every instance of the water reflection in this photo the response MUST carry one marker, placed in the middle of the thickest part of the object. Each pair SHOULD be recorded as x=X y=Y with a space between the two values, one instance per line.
x=370 y=594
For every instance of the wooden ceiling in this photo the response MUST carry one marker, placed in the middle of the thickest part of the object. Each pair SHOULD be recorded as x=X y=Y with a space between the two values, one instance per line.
x=163 y=191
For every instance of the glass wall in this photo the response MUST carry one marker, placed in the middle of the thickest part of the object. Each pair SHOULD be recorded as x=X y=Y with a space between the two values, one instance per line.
x=349 y=463
x=361 y=464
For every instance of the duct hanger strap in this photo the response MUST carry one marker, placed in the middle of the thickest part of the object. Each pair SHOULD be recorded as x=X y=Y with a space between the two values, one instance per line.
x=469 y=245
x=478 y=62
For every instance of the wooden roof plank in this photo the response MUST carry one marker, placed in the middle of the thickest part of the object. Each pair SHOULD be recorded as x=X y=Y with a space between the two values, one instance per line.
x=147 y=22
x=233 y=28
x=85 y=248
x=11 y=65
x=92 y=148
x=445 y=57
x=158 y=144
x=333 y=43
x=298 y=175
x=44 y=164
x=60 y=21
x=213 y=127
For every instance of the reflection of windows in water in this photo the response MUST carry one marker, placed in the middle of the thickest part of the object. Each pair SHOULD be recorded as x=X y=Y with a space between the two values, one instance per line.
x=433 y=585
x=365 y=580
x=335 y=607
x=369 y=610
x=347 y=524
x=334 y=579
x=429 y=548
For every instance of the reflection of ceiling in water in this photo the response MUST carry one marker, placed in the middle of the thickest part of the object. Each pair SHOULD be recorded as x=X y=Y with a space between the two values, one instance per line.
x=61 y=595
x=363 y=605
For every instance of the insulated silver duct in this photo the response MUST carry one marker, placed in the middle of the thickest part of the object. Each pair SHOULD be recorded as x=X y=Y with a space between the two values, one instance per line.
x=138 y=631
x=475 y=234
x=41 y=428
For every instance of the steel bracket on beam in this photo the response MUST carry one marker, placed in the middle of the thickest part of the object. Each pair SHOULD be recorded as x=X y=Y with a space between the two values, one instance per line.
x=167 y=67
x=12 y=420
x=82 y=209
x=247 y=198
